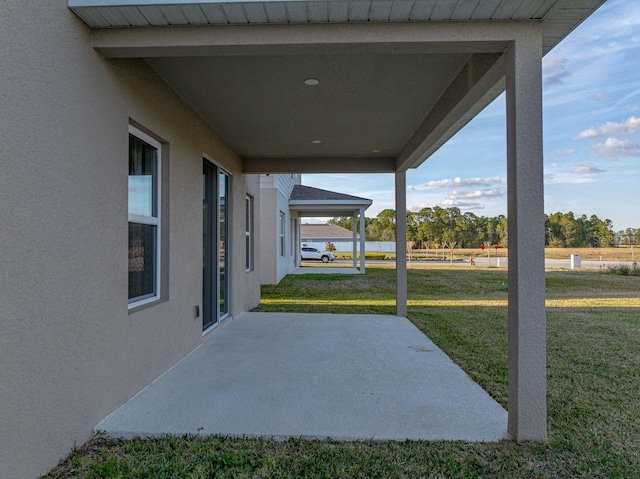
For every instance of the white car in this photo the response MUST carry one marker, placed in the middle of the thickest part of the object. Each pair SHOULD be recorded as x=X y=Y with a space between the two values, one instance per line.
x=313 y=253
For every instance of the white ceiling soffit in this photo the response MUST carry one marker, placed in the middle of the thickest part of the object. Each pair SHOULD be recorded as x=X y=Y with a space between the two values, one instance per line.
x=559 y=17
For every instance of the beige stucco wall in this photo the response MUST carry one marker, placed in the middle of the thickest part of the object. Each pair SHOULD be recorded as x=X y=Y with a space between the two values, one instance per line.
x=70 y=352
x=268 y=236
x=274 y=267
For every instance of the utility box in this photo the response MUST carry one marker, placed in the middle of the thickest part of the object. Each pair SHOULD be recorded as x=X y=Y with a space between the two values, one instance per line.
x=576 y=259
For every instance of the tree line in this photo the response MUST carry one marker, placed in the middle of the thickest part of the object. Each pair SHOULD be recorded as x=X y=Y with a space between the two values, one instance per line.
x=434 y=227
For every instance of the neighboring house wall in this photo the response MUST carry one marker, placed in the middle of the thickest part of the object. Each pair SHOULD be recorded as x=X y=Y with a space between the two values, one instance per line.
x=269 y=239
x=286 y=182
x=70 y=350
x=275 y=191
x=266 y=181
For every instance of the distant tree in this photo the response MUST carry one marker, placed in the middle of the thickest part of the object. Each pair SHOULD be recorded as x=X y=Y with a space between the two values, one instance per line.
x=502 y=232
x=564 y=230
x=435 y=245
x=436 y=226
x=344 y=221
x=487 y=247
x=451 y=245
x=412 y=227
x=631 y=238
x=410 y=245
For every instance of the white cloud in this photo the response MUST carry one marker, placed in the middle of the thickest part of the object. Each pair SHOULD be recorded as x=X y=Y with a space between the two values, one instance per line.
x=586 y=170
x=553 y=64
x=475 y=194
x=458 y=182
x=419 y=206
x=614 y=148
x=610 y=128
x=554 y=70
x=588 y=134
x=568 y=179
x=463 y=205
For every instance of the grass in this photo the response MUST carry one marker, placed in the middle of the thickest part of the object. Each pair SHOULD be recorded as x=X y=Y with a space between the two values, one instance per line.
x=622 y=253
x=593 y=386
x=623 y=270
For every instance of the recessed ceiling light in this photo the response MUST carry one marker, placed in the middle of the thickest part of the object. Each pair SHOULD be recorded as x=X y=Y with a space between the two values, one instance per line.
x=311 y=81
x=316 y=141
x=376 y=151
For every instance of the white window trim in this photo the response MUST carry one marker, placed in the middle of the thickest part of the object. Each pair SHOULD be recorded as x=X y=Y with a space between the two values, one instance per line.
x=151 y=220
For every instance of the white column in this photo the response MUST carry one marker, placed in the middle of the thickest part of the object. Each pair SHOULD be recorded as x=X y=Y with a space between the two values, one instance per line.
x=527 y=320
x=355 y=241
x=362 y=239
x=401 y=243
x=298 y=246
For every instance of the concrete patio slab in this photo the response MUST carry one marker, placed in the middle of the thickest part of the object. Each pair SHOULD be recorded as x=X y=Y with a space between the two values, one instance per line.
x=351 y=377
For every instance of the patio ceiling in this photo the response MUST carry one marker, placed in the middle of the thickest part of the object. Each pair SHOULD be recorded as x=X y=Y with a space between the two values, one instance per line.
x=396 y=78
x=365 y=101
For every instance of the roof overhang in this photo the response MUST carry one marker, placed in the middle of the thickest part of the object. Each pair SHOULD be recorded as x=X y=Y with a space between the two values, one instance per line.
x=397 y=78
x=328 y=208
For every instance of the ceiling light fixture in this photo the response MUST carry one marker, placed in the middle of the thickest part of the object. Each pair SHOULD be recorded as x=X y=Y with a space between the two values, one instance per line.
x=376 y=151
x=316 y=142
x=311 y=81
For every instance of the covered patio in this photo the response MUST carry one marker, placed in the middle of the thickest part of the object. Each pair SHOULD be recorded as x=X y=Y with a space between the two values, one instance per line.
x=311 y=202
x=365 y=87
x=346 y=377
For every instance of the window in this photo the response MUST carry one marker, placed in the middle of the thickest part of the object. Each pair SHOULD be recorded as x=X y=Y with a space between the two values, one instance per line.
x=281 y=233
x=248 y=233
x=144 y=218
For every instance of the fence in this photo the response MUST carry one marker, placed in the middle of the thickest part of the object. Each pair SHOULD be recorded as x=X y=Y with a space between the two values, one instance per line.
x=346 y=246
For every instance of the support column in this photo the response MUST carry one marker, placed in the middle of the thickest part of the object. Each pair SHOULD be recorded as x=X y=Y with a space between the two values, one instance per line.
x=401 y=243
x=362 y=239
x=299 y=245
x=354 y=227
x=527 y=319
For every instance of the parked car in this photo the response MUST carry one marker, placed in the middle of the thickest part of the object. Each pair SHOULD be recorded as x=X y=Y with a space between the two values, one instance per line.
x=312 y=253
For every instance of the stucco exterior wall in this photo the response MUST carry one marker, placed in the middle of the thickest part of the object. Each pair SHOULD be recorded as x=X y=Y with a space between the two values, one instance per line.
x=70 y=351
x=273 y=266
x=269 y=236
x=285 y=263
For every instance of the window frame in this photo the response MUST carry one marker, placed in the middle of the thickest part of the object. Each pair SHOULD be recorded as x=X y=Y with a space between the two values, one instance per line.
x=150 y=220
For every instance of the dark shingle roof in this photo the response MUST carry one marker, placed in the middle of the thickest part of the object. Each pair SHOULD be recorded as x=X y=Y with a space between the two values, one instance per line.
x=307 y=193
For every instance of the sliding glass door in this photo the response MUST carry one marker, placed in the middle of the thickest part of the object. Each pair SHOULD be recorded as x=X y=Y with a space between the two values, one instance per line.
x=215 y=236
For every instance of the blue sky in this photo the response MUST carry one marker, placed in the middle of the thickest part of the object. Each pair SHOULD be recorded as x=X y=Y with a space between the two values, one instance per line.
x=591 y=105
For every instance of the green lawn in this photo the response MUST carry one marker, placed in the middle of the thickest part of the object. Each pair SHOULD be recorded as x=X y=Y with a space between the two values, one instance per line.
x=593 y=381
